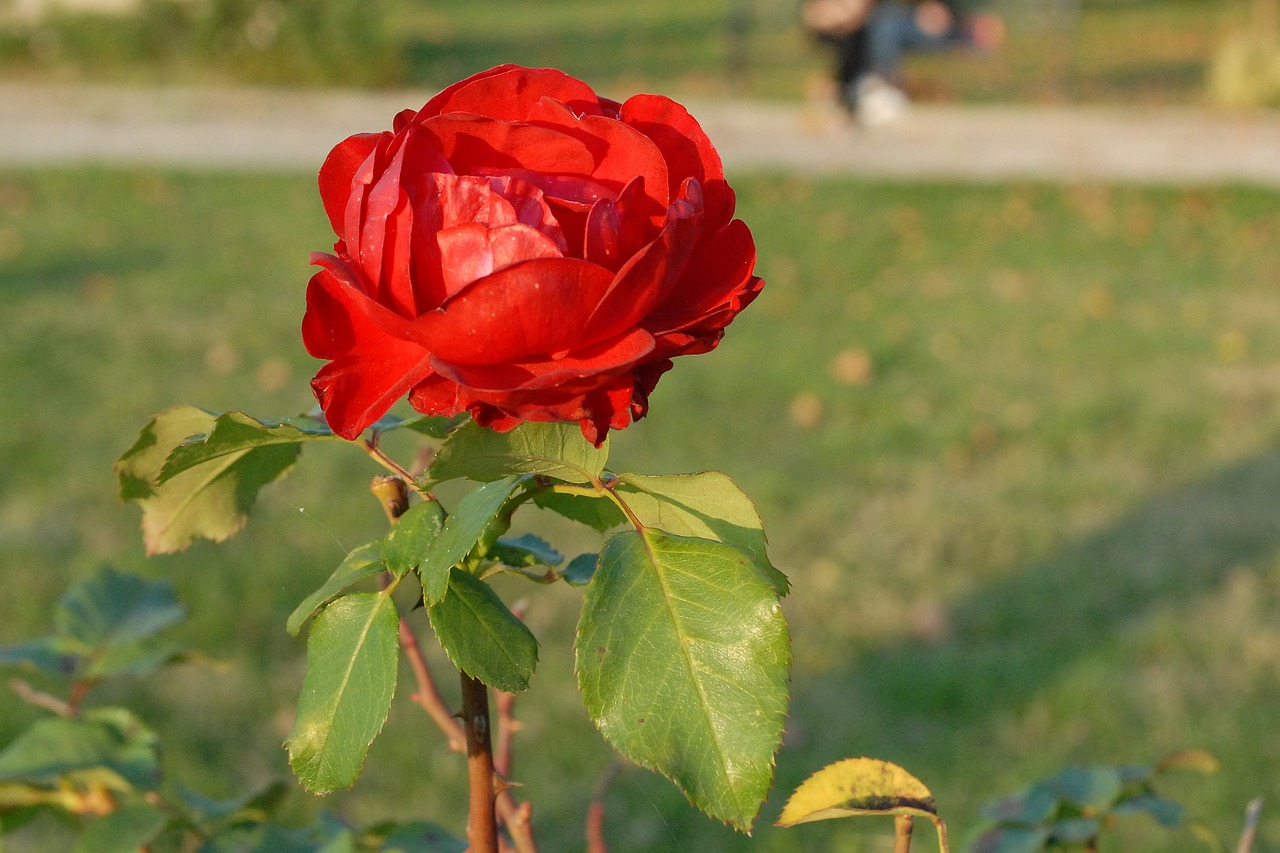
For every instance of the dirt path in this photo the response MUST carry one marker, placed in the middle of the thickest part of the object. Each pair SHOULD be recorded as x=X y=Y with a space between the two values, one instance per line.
x=274 y=129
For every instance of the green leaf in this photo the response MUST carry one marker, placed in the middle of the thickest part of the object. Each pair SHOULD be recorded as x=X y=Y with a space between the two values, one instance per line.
x=525 y=551
x=234 y=433
x=253 y=805
x=343 y=842
x=682 y=657
x=104 y=739
x=19 y=795
x=1012 y=840
x=463 y=529
x=1087 y=788
x=1030 y=808
x=596 y=511
x=482 y=636
x=581 y=569
x=47 y=655
x=430 y=426
x=210 y=500
x=140 y=466
x=1076 y=830
x=1167 y=813
x=125 y=830
x=107 y=619
x=264 y=838
x=364 y=561
x=555 y=450
x=346 y=693
x=419 y=837
x=412 y=536
x=708 y=505
x=858 y=786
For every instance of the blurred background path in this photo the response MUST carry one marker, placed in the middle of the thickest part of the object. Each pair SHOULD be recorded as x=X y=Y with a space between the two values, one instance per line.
x=282 y=129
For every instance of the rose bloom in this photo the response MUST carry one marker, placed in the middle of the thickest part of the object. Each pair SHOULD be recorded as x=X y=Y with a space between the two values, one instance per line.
x=524 y=250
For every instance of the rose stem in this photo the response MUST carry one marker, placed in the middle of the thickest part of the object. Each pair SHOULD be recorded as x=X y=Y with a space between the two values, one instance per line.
x=482 y=825
x=595 y=813
x=507 y=725
x=392 y=494
x=902 y=826
x=505 y=703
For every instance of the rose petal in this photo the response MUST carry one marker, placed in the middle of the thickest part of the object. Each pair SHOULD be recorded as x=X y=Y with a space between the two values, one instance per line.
x=615 y=228
x=649 y=276
x=402 y=120
x=572 y=373
x=721 y=267
x=530 y=308
x=471 y=251
x=495 y=201
x=438 y=396
x=686 y=148
x=621 y=153
x=383 y=251
x=510 y=91
x=352 y=227
x=480 y=145
x=337 y=172
x=370 y=365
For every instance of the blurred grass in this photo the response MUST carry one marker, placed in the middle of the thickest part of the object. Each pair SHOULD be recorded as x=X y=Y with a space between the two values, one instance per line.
x=1114 y=51
x=1015 y=445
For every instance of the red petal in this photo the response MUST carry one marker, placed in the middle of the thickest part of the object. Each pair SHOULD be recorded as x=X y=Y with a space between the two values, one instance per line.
x=371 y=364
x=530 y=308
x=479 y=145
x=574 y=373
x=352 y=230
x=510 y=91
x=647 y=278
x=338 y=171
x=471 y=251
x=604 y=242
x=402 y=119
x=494 y=202
x=617 y=229
x=621 y=153
x=721 y=268
x=436 y=395
x=688 y=151
x=384 y=235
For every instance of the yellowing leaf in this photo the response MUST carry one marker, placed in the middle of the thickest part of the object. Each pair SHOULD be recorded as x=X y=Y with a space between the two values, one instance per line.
x=1195 y=760
x=858 y=786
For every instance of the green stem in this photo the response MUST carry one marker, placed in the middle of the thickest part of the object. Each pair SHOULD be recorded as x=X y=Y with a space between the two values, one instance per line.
x=370 y=446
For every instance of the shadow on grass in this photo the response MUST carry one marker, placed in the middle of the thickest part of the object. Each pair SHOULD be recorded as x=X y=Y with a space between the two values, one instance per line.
x=1014 y=634
x=72 y=270
x=1011 y=639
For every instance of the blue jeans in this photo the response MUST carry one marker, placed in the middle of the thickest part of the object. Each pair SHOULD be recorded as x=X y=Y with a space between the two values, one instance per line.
x=892 y=32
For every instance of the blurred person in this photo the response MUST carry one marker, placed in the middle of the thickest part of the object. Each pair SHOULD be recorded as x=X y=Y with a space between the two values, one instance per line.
x=871 y=38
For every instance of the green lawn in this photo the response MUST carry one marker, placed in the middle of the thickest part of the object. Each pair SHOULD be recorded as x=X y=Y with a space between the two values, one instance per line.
x=1015 y=445
x=1116 y=51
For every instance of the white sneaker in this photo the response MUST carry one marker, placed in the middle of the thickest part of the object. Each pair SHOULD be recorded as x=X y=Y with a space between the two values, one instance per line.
x=879 y=102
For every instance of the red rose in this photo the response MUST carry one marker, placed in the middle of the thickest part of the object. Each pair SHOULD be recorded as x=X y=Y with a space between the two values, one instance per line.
x=523 y=250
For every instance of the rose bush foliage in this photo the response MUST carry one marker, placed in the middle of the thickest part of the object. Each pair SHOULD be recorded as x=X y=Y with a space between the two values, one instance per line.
x=523 y=250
